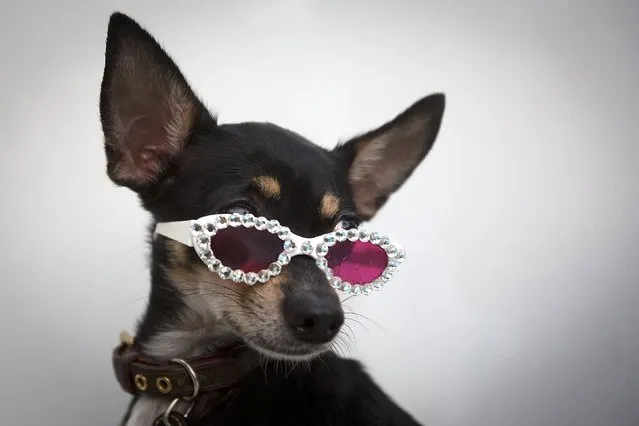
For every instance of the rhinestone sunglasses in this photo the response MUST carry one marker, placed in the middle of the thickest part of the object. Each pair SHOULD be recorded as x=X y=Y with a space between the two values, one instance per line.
x=248 y=249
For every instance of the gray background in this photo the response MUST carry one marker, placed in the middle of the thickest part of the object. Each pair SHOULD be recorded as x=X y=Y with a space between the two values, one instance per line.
x=518 y=304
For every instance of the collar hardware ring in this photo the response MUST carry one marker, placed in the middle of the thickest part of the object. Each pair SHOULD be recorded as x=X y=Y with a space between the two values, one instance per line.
x=191 y=399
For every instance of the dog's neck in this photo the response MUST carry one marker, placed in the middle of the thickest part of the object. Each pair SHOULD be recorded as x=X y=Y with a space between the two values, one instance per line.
x=189 y=331
x=169 y=330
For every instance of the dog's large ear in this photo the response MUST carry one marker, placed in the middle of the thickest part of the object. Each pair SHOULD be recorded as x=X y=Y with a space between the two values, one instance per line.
x=380 y=161
x=147 y=108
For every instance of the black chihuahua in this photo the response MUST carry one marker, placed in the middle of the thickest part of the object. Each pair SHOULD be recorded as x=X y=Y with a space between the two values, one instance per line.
x=255 y=232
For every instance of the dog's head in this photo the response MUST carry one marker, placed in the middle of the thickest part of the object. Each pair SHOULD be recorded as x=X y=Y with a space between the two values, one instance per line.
x=162 y=143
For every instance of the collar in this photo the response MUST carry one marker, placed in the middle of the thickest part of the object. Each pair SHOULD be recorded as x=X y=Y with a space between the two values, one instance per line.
x=139 y=374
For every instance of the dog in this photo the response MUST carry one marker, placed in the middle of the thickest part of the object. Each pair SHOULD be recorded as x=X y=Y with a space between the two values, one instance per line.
x=221 y=346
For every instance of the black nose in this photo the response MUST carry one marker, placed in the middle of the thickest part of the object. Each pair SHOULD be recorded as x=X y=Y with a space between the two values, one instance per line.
x=314 y=318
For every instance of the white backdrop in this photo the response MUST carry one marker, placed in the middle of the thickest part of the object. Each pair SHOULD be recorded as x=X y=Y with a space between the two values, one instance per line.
x=518 y=304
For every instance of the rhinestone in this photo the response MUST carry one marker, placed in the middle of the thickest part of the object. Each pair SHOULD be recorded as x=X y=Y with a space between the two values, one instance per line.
x=203 y=241
x=346 y=288
x=214 y=265
x=328 y=273
x=260 y=223
x=283 y=259
x=384 y=242
x=321 y=262
x=221 y=222
x=207 y=254
x=263 y=276
x=307 y=248
x=283 y=232
x=340 y=235
x=363 y=235
x=400 y=256
x=375 y=237
x=321 y=249
x=248 y=220
x=329 y=239
x=367 y=290
x=378 y=285
x=335 y=282
x=210 y=228
x=386 y=276
x=225 y=272
x=393 y=264
x=289 y=245
x=352 y=234
x=235 y=220
x=237 y=276
x=196 y=227
x=274 y=269
x=250 y=278
x=391 y=251
x=357 y=290
x=273 y=226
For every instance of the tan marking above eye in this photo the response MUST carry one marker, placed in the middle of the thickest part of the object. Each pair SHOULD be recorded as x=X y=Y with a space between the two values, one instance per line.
x=268 y=186
x=329 y=206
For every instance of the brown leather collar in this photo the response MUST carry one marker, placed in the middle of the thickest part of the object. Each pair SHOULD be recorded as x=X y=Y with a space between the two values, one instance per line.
x=138 y=374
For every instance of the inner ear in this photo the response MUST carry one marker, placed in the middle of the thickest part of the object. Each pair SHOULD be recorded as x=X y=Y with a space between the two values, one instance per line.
x=147 y=108
x=380 y=161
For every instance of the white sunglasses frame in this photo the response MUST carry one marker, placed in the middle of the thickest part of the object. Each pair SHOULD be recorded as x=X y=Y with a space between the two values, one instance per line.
x=197 y=234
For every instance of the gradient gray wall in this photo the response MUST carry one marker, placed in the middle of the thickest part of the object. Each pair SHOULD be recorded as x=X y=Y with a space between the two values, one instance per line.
x=518 y=304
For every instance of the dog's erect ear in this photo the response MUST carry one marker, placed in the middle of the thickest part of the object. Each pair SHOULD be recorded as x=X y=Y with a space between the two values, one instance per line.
x=380 y=161
x=147 y=108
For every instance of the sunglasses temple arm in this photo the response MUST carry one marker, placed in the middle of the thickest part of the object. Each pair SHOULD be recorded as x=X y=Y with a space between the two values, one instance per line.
x=178 y=231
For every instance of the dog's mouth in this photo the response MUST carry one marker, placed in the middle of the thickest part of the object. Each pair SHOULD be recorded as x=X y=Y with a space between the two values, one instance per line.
x=292 y=353
x=281 y=347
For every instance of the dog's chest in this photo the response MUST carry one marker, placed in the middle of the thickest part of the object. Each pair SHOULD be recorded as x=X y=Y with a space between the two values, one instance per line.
x=271 y=410
x=145 y=410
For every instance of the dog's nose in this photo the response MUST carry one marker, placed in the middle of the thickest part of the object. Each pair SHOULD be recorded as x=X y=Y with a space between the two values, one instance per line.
x=314 y=318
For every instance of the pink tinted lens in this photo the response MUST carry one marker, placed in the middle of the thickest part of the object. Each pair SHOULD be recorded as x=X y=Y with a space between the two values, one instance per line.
x=247 y=249
x=357 y=262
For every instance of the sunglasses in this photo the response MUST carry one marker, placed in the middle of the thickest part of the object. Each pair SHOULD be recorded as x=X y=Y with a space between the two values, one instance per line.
x=248 y=249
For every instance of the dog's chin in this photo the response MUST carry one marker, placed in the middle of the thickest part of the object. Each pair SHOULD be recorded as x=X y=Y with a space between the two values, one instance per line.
x=281 y=348
x=289 y=356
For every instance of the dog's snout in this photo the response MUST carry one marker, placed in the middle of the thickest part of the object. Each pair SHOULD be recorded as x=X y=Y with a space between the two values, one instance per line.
x=314 y=318
x=311 y=308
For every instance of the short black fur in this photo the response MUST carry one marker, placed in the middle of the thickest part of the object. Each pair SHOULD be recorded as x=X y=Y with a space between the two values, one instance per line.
x=330 y=391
